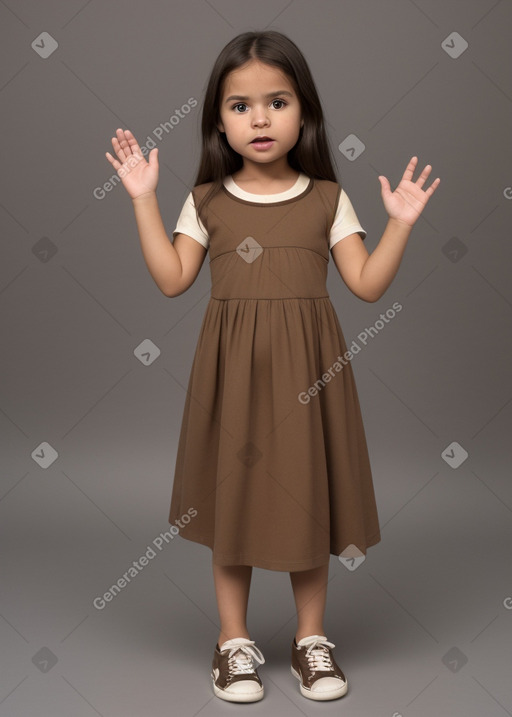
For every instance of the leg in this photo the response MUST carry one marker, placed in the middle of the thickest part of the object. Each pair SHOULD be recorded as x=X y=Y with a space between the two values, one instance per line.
x=310 y=591
x=232 y=583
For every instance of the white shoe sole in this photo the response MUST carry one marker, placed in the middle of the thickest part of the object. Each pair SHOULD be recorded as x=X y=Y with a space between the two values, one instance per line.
x=327 y=695
x=236 y=697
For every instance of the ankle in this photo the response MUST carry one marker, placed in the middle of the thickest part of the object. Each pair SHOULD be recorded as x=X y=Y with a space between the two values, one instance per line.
x=231 y=634
x=307 y=633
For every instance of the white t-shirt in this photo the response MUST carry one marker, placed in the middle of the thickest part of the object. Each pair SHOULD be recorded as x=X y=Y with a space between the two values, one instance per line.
x=345 y=221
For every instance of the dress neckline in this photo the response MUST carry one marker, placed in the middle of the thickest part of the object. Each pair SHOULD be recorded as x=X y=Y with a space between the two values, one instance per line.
x=302 y=186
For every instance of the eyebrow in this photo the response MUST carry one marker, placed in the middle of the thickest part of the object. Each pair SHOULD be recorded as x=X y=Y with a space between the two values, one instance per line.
x=267 y=96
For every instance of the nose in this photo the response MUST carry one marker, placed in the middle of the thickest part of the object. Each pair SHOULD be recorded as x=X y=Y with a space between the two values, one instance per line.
x=260 y=117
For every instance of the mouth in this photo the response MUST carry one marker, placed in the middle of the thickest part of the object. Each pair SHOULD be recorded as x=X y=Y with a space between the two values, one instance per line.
x=262 y=139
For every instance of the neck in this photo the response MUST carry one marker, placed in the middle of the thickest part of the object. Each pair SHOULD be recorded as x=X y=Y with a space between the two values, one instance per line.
x=266 y=174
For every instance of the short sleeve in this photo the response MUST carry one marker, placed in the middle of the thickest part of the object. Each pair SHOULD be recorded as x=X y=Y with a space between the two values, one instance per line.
x=188 y=223
x=345 y=221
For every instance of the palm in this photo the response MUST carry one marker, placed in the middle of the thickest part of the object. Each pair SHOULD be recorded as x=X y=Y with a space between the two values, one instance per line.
x=408 y=200
x=137 y=175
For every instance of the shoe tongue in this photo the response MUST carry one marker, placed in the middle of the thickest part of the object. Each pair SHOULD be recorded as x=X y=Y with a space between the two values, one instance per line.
x=310 y=639
x=234 y=641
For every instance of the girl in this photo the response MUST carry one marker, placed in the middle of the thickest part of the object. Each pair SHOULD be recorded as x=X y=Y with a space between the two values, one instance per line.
x=272 y=467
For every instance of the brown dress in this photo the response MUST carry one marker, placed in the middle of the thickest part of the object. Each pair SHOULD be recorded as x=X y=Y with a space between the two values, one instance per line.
x=272 y=468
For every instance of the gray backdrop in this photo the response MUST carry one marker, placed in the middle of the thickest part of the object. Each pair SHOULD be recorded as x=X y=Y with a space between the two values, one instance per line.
x=90 y=419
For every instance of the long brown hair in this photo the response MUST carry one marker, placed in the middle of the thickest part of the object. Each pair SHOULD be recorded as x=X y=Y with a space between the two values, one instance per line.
x=311 y=154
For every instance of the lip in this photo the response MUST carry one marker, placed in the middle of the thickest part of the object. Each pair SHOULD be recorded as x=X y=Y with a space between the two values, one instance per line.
x=262 y=145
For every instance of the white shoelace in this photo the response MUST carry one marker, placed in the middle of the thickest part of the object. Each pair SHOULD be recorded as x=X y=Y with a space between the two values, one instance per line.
x=319 y=657
x=240 y=660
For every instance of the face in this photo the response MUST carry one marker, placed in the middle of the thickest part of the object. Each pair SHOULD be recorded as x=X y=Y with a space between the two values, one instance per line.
x=259 y=100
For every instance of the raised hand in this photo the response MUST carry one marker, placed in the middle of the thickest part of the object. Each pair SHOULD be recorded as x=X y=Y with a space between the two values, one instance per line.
x=137 y=175
x=408 y=200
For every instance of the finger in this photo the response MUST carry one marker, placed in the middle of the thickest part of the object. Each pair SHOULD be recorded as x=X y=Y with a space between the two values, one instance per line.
x=430 y=191
x=132 y=142
x=120 y=144
x=153 y=157
x=409 y=171
x=123 y=143
x=423 y=176
x=384 y=184
x=128 y=144
x=113 y=161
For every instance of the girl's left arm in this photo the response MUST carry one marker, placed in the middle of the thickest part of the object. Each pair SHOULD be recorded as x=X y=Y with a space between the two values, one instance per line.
x=369 y=275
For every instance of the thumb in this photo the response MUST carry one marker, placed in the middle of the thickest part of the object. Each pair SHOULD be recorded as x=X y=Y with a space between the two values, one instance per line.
x=153 y=158
x=384 y=185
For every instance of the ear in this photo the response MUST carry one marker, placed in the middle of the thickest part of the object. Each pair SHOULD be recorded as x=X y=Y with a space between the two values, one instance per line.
x=220 y=127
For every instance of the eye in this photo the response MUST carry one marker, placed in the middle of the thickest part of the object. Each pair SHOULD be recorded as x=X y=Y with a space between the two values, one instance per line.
x=242 y=104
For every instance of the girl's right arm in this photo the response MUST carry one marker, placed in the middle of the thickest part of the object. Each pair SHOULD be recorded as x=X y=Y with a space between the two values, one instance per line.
x=173 y=266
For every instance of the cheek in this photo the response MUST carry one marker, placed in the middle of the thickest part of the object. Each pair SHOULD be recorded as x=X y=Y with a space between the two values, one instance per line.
x=232 y=125
x=294 y=126
x=294 y=120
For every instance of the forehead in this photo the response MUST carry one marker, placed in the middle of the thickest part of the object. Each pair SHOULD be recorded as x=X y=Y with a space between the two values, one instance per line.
x=256 y=78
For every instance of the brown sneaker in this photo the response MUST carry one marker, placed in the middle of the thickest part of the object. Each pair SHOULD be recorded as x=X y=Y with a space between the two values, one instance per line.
x=233 y=675
x=314 y=665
